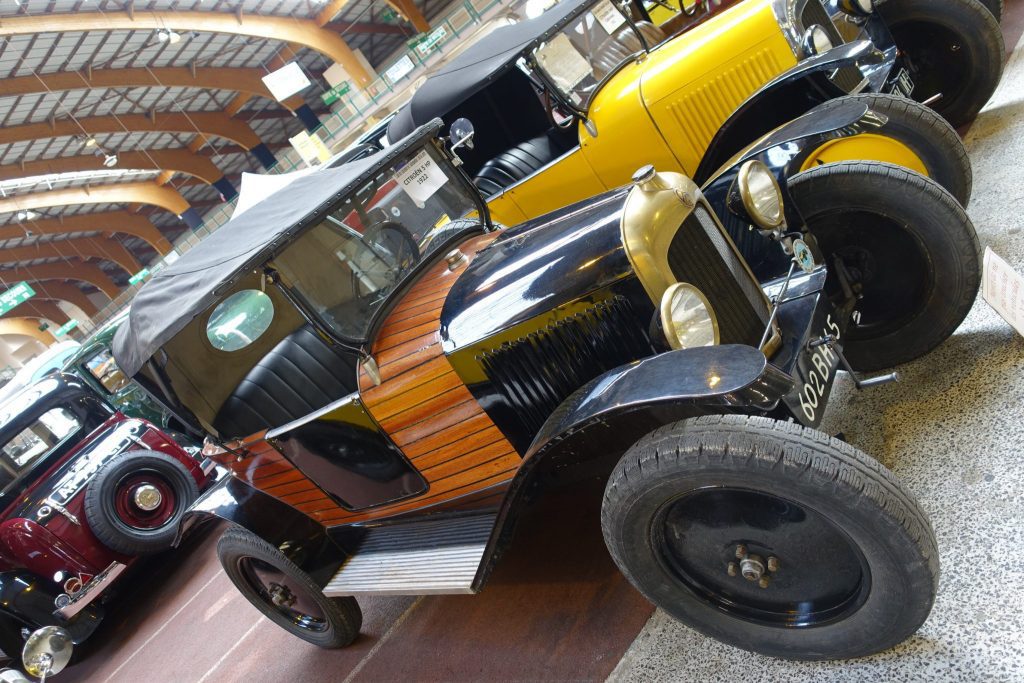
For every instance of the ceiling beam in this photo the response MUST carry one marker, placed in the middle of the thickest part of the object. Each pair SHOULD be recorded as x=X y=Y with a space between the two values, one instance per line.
x=102 y=248
x=244 y=80
x=366 y=27
x=408 y=10
x=174 y=160
x=39 y=309
x=67 y=292
x=23 y=327
x=119 y=193
x=106 y=222
x=305 y=32
x=205 y=123
x=71 y=270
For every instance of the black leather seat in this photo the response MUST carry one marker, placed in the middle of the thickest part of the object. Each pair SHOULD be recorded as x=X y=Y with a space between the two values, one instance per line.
x=514 y=164
x=300 y=375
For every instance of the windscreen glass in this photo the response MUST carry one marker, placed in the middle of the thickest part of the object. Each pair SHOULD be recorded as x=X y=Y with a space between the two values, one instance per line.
x=344 y=268
x=593 y=45
x=19 y=454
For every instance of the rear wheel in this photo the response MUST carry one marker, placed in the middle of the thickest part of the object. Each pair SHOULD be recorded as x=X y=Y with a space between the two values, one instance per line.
x=952 y=48
x=771 y=537
x=284 y=593
x=914 y=137
x=907 y=249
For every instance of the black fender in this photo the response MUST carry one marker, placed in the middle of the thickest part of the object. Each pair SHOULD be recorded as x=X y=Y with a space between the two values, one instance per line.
x=602 y=419
x=302 y=539
x=28 y=600
x=791 y=94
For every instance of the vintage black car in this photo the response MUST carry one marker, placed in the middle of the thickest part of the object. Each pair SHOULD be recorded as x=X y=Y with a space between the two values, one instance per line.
x=385 y=418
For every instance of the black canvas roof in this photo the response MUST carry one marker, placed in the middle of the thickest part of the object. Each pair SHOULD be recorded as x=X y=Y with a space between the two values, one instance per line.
x=174 y=296
x=480 y=64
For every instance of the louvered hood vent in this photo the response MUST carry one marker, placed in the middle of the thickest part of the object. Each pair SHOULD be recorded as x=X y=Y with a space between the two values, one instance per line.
x=537 y=372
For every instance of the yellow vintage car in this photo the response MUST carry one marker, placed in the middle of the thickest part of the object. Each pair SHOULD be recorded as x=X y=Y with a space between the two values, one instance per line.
x=570 y=103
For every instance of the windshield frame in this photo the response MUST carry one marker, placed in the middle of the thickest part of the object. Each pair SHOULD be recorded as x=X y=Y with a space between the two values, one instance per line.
x=443 y=157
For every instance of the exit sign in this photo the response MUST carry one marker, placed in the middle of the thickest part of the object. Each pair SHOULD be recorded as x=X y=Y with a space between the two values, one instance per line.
x=335 y=93
x=17 y=294
x=65 y=328
x=139 y=276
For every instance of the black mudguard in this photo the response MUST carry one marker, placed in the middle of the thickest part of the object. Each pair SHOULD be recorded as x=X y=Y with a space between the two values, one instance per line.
x=302 y=539
x=27 y=599
x=592 y=428
x=789 y=95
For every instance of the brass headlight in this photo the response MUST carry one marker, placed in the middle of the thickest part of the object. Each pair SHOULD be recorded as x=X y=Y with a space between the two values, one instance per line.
x=761 y=195
x=687 y=317
x=816 y=41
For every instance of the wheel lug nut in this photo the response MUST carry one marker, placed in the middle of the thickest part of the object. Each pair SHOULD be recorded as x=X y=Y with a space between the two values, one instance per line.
x=773 y=564
x=732 y=569
x=741 y=552
x=763 y=583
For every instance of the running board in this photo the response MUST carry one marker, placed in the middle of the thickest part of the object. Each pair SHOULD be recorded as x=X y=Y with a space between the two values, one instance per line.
x=416 y=558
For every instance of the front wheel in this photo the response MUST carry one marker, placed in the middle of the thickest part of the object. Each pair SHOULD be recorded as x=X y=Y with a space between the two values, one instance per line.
x=907 y=249
x=771 y=537
x=914 y=136
x=284 y=593
x=952 y=49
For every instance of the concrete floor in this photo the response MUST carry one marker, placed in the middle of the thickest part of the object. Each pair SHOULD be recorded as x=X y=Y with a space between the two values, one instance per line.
x=557 y=609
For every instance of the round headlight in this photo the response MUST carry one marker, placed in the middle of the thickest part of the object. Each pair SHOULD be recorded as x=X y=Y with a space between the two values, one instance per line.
x=858 y=8
x=816 y=41
x=760 y=193
x=687 y=318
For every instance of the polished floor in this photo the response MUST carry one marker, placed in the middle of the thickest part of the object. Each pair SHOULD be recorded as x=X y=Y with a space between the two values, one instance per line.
x=556 y=608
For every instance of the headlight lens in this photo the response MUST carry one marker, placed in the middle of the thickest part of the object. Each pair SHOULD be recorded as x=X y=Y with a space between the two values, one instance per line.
x=760 y=193
x=858 y=8
x=687 y=318
x=816 y=41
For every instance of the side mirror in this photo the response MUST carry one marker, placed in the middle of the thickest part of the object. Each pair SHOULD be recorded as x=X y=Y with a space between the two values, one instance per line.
x=461 y=134
x=47 y=651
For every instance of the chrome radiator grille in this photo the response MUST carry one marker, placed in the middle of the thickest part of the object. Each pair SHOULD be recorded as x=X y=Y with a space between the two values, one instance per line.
x=848 y=77
x=702 y=254
x=535 y=373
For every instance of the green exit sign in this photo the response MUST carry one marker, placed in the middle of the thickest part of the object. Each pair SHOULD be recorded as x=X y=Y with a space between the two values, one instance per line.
x=139 y=276
x=335 y=93
x=17 y=294
x=65 y=328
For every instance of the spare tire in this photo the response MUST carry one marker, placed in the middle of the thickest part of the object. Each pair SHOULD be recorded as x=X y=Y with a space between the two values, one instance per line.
x=136 y=501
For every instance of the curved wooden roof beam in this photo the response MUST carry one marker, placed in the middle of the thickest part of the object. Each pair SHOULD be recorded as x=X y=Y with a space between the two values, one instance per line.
x=118 y=193
x=52 y=290
x=80 y=247
x=205 y=123
x=305 y=32
x=173 y=160
x=244 y=80
x=106 y=222
x=23 y=327
x=38 y=309
x=75 y=270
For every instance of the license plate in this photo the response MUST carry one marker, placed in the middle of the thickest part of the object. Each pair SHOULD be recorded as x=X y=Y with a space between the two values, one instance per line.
x=818 y=369
x=903 y=85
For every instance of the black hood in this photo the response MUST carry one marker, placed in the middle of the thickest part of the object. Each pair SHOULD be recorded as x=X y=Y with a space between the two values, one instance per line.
x=535 y=267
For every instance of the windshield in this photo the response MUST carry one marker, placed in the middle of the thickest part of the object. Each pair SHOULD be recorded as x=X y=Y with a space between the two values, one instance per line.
x=21 y=452
x=579 y=56
x=344 y=268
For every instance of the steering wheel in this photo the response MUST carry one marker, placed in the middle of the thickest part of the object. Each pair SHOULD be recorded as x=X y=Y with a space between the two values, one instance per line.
x=394 y=244
x=556 y=116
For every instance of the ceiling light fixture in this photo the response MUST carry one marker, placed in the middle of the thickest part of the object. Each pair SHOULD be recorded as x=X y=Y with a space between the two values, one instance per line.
x=110 y=160
x=90 y=142
x=27 y=215
x=168 y=36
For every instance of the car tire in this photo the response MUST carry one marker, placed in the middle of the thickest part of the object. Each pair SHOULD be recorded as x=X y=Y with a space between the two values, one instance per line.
x=113 y=509
x=691 y=503
x=995 y=7
x=954 y=47
x=251 y=563
x=924 y=132
x=909 y=248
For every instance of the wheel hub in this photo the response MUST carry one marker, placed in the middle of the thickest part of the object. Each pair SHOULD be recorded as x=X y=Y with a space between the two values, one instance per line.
x=147 y=497
x=281 y=595
x=753 y=567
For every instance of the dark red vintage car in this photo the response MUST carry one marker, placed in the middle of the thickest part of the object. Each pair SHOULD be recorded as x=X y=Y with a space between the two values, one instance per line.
x=85 y=491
